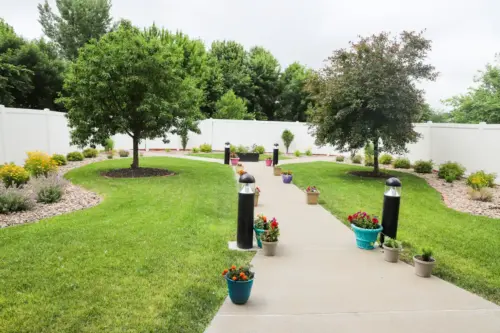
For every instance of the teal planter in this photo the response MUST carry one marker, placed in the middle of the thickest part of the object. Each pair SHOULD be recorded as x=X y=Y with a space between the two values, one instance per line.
x=259 y=232
x=366 y=238
x=239 y=291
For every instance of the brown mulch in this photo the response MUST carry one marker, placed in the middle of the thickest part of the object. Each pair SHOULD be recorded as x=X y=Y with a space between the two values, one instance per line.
x=370 y=174
x=137 y=173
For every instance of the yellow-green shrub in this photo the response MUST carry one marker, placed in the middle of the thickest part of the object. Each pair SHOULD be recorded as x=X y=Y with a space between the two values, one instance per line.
x=13 y=175
x=59 y=159
x=39 y=164
x=480 y=179
x=90 y=152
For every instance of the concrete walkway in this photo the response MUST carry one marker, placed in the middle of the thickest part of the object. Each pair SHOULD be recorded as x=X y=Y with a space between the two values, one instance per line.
x=320 y=282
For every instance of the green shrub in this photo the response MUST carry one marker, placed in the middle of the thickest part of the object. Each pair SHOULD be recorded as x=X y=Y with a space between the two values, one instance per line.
x=297 y=153
x=287 y=138
x=369 y=160
x=426 y=254
x=167 y=150
x=480 y=179
x=385 y=159
x=59 y=159
x=109 y=144
x=401 y=163
x=232 y=148
x=13 y=175
x=206 y=148
x=90 y=152
x=421 y=166
x=39 y=164
x=356 y=159
x=241 y=149
x=14 y=200
x=258 y=149
x=309 y=152
x=450 y=171
x=49 y=189
x=75 y=156
x=195 y=150
x=123 y=153
x=339 y=158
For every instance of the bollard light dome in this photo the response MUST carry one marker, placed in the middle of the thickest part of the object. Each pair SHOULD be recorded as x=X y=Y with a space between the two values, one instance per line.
x=392 y=187
x=276 y=145
x=228 y=144
x=247 y=182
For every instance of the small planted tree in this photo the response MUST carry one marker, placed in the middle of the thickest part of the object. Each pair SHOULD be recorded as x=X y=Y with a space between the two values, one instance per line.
x=368 y=93
x=128 y=83
x=231 y=106
x=287 y=138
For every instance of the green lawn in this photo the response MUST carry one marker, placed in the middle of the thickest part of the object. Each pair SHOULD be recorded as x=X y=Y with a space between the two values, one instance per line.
x=220 y=156
x=147 y=259
x=466 y=247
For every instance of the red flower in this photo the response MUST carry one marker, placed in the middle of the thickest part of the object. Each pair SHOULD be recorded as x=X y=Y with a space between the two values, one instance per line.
x=350 y=218
x=274 y=224
x=375 y=220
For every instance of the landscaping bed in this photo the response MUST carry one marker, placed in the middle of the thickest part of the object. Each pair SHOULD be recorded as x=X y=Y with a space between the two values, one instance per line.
x=220 y=156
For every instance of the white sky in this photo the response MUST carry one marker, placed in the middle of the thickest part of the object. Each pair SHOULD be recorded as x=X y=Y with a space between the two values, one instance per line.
x=465 y=33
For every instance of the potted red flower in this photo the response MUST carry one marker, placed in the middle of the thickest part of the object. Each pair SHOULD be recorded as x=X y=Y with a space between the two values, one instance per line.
x=270 y=238
x=366 y=228
x=312 y=194
x=256 y=197
x=234 y=159
x=239 y=283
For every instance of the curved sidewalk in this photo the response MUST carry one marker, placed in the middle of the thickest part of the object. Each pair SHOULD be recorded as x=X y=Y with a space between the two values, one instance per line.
x=320 y=282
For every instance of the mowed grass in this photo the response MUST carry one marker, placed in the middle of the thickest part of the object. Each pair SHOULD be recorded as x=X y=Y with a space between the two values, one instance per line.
x=147 y=259
x=465 y=246
x=220 y=156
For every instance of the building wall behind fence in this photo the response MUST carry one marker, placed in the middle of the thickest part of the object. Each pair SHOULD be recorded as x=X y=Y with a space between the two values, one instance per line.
x=474 y=146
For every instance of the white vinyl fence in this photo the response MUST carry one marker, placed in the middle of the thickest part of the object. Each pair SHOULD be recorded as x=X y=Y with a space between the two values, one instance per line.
x=474 y=146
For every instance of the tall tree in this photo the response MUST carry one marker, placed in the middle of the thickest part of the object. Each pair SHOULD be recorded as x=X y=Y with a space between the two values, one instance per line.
x=128 y=83
x=294 y=99
x=264 y=71
x=78 y=22
x=368 y=93
x=231 y=106
x=482 y=102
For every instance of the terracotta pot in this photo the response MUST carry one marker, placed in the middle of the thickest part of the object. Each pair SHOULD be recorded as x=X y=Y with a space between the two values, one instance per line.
x=423 y=268
x=269 y=248
x=391 y=254
x=312 y=198
x=277 y=171
x=256 y=199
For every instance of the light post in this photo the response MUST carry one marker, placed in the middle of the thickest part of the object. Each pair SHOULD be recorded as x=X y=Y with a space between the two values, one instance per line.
x=227 y=152
x=390 y=212
x=246 y=197
x=275 y=154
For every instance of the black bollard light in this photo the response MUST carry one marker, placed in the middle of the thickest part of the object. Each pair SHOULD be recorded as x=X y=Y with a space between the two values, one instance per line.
x=390 y=213
x=227 y=152
x=275 y=154
x=246 y=199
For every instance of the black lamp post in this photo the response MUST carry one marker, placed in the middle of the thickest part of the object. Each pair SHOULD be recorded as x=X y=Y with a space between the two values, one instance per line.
x=275 y=154
x=390 y=213
x=246 y=196
x=227 y=152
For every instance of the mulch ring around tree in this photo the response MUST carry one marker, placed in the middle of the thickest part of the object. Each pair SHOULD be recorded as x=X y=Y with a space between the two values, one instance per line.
x=137 y=173
x=370 y=174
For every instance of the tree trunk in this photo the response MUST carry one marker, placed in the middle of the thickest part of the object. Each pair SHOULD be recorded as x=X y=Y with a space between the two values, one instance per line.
x=376 y=169
x=135 y=161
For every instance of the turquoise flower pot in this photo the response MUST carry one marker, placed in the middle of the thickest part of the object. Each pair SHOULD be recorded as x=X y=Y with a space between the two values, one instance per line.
x=366 y=238
x=239 y=291
x=258 y=232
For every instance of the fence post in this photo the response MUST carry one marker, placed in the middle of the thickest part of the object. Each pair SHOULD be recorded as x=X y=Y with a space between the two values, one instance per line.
x=3 y=139
x=47 y=128
x=429 y=125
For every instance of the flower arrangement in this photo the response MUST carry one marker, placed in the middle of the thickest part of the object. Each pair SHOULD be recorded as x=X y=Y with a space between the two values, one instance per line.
x=312 y=189
x=261 y=222
x=233 y=155
x=241 y=172
x=272 y=233
x=289 y=173
x=364 y=221
x=238 y=274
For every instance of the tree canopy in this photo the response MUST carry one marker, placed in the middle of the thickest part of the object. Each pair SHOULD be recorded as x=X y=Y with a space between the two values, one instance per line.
x=132 y=83
x=231 y=106
x=368 y=93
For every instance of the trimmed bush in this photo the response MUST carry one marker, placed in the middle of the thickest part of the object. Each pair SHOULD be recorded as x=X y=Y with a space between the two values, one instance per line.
x=59 y=159
x=90 y=153
x=195 y=150
x=385 y=159
x=49 y=189
x=109 y=144
x=297 y=153
x=402 y=163
x=356 y=159
x=14 y=200
x=309 y=152
x=206 y=148
x=259 y=149
x=340 y=158
x=480 y=179
x=451 y=171
x=123 y=153
x=421 y=166
x=39 y=164
x=74 y=156
x=13 y=175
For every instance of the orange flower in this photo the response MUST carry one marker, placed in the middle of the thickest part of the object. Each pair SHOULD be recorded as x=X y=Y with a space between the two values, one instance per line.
x=242 y=274
x=264 y=218
x=233 y=267
x=234 y=278
x=225 y=272
x=244 y=278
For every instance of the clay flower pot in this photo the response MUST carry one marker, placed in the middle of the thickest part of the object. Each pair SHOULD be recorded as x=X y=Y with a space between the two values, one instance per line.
x=391 y=254
x=256 y=199
x=312 y=198
x=365 y=238
x=287 y=179
x=277 y=171
x=269 y=248
x=423 y=268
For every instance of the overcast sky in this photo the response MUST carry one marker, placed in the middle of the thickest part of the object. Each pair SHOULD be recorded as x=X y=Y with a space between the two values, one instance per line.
x=465 y=33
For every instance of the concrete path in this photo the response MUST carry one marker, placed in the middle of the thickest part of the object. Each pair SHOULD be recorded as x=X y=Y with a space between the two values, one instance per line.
x=320 y=282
